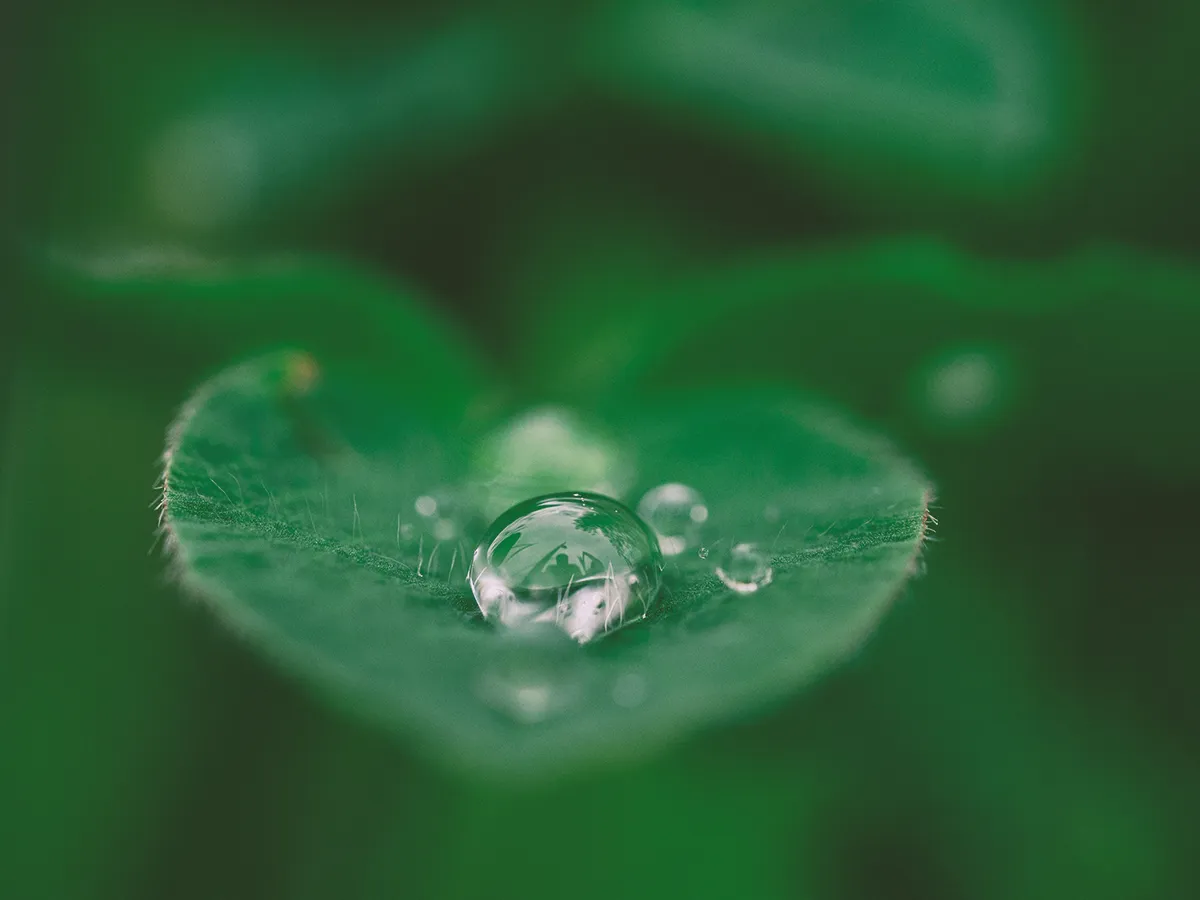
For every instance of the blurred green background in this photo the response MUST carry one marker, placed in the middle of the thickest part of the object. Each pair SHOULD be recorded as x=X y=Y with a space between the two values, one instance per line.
x=975 y=225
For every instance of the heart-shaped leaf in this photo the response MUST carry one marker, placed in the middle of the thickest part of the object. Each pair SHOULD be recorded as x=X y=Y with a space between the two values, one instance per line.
x=330 y=519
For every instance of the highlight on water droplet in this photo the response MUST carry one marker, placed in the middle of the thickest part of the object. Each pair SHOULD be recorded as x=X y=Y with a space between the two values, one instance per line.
x=580 y=561
x=744 y=568
x=676 y=512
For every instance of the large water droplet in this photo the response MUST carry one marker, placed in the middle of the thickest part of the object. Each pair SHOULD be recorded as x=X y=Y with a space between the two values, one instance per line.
x=676 y=512
x=583 y=562
x=744 y=568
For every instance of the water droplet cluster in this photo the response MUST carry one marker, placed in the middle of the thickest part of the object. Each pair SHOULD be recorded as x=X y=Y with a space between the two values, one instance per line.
x=580 y=562
x=677 y=514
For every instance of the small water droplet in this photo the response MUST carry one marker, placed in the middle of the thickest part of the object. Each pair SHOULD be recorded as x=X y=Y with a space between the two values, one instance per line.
x=426 y=505
x=583 y=562
x=675 y=512
x=744 y=568
x=702 y=553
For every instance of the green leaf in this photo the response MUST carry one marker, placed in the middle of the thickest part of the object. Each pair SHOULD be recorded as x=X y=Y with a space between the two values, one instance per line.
x=970 y=96
x=1089 y=351
x=228 y=125
x=176 y=301
x=286 y=495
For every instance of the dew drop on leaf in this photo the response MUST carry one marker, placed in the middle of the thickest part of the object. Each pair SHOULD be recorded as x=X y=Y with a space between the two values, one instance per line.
x=744 y=568
x=581 y=562
x=676 y=512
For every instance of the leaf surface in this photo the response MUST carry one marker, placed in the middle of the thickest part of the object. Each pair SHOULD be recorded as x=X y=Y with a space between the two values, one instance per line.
x=290 y=501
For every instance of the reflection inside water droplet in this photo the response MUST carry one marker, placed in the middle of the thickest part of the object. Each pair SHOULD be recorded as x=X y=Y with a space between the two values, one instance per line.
x=582 y=562
x=676 y=512
x=744 y=568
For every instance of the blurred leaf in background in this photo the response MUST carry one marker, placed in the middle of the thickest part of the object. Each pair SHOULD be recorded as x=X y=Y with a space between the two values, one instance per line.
x=234 y=127
x=917 y=97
